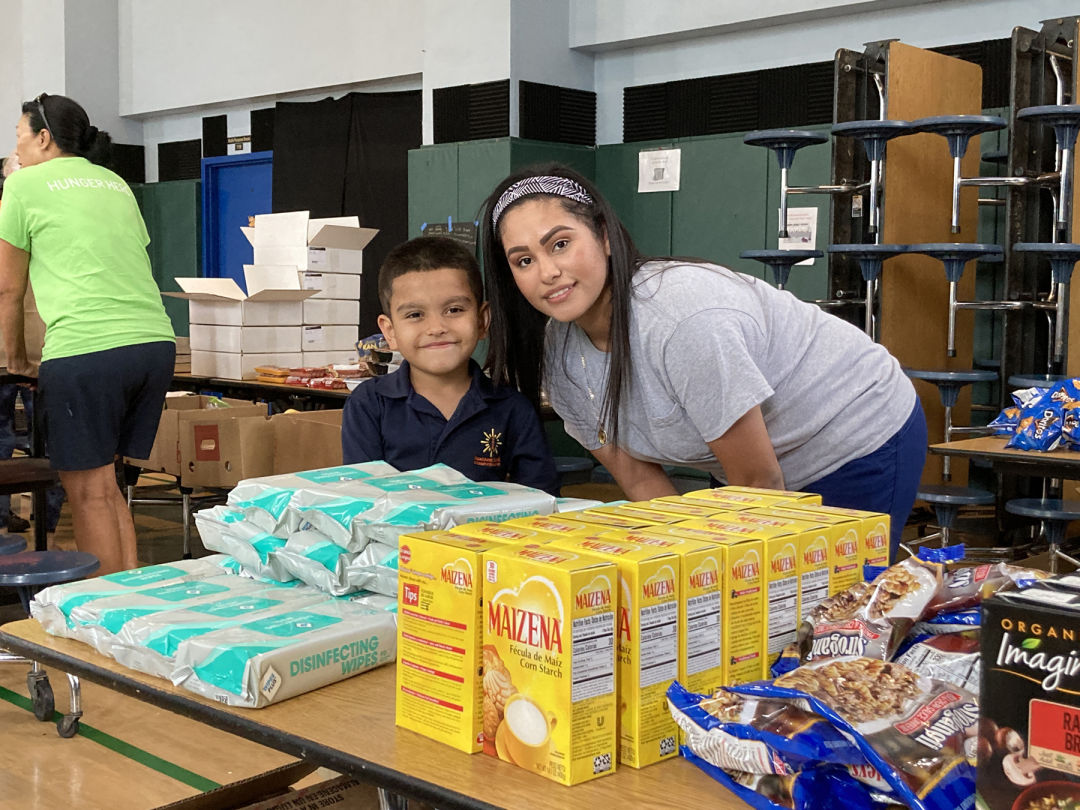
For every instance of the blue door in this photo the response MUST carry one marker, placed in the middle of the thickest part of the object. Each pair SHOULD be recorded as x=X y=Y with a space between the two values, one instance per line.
x=233 y=189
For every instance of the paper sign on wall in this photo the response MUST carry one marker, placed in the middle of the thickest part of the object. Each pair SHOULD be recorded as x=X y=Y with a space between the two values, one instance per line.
x=802 y=232
x=659 y=170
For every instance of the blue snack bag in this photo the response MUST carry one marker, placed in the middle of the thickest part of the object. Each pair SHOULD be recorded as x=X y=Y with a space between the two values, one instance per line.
x=1006 y=422
x=910 y=727
x=756 y=735
x=812 y=789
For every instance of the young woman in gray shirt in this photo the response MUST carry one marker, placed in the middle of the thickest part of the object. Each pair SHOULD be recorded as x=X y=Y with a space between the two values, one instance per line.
x=674 y=361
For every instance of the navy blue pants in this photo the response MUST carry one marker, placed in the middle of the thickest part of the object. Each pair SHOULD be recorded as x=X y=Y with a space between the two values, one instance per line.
x=885 y=480
x=54 y=497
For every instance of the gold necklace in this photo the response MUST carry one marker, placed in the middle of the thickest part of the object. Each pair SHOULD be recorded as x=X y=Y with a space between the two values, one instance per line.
x=601 y=434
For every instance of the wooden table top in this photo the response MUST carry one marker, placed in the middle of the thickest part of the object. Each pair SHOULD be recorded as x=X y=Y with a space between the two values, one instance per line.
x=349 y=727
x=298 y=390
x=993 y=448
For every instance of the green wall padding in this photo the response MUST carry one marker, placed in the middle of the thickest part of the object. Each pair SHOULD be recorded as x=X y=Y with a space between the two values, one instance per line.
x=173 y=211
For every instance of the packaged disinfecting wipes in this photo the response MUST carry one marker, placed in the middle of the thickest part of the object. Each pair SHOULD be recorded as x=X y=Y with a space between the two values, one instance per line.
x=53 y=605
x=268 y=660
x=374 y=569
x=97 y=621
x=225 y=529
x=317 y=561
x=148 y=643
x=339 y=518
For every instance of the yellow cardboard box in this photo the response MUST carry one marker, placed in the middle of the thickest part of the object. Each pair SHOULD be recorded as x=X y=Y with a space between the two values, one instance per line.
x=438 y=683
x=489 y=530
x=873 y=532
x=845 y=565
x=798 y=497
x=549 y=661
x=556 y=525
x=701 y=583
x=648 y=644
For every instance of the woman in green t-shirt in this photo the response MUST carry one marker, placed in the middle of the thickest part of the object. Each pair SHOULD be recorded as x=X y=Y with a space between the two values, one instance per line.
x=73 y=228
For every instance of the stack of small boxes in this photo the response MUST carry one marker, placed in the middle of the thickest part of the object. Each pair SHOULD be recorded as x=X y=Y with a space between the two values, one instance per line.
x=302 y=304
x=514 y=637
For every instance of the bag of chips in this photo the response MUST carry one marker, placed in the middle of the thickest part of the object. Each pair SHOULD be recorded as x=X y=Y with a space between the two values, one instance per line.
x=911 y=728
x=870 y=619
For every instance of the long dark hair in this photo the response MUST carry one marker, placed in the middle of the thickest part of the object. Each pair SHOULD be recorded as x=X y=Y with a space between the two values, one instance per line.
x=69 y=126
x=516 y=349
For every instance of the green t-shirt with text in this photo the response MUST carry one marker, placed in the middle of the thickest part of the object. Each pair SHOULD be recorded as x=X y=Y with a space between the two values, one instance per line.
x=88 y=262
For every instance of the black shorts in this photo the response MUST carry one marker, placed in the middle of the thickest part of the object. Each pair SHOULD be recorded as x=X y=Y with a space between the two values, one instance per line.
x=103 y=404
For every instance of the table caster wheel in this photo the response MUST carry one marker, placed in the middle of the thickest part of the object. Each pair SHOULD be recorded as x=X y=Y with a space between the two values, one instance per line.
x=67 y=726
x=41 y=695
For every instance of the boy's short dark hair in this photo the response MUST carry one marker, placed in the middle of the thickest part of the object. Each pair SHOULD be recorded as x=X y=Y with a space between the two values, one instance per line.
x=428 y=253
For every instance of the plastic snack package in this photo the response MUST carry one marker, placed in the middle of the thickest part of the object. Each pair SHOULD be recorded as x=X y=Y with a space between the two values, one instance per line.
x=148 y=642
x=910 y=728
x=267 y=660
x=1006 y=422
x=757 y=735
x=1042 y=417
x=870 y=619
x=951 y=658
x=966 y=586
x=53 y=605
x=813 y=789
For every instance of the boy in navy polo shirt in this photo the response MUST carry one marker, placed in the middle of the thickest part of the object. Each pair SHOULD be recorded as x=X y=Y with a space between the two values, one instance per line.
x=439 y=407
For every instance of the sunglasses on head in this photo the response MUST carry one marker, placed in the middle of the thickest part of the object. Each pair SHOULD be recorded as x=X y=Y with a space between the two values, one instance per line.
x=40 y=101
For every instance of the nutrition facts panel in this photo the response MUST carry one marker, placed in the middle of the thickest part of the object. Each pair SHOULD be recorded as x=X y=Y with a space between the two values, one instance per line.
x=783 y=610
x=659 y=650
x=593 y=651
x=702 y=632
x=815 y=587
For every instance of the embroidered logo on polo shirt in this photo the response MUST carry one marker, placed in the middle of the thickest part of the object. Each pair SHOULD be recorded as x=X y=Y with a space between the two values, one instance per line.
x=489 y=448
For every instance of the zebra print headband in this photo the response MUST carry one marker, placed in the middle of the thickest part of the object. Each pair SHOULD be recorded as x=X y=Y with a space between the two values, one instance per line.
x=544 y=184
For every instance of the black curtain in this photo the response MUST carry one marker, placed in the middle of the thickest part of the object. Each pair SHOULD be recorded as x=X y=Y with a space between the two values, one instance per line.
x=349 y=157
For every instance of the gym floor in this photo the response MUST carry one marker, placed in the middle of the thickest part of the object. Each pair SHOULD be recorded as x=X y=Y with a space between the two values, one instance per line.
x=128 y=755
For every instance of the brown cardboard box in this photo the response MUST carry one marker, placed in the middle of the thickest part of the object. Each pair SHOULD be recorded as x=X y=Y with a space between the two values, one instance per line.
x=177 y=417
x=221 y=452
x=307 y=440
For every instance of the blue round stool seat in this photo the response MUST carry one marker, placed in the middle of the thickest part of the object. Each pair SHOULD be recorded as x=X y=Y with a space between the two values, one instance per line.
x=11 y=544
x=949 y=383
x=954 y=255
x=1044 y=508
x=780 y=261
x=874 y=134
x=29 y=571
x=1064 y=118
x=955 y=496
x=1055 y=514
x=784 y=142
x=947 y=501
x=870 y=257
x=958 y=129
x=1035 y=380
x=1063 y=257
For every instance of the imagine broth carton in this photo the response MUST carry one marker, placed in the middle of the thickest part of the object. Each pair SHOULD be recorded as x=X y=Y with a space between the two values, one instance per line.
x=549 y=661
x=1029 y=731
x=701 y=582
x=647 y=628
x=439 y=685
